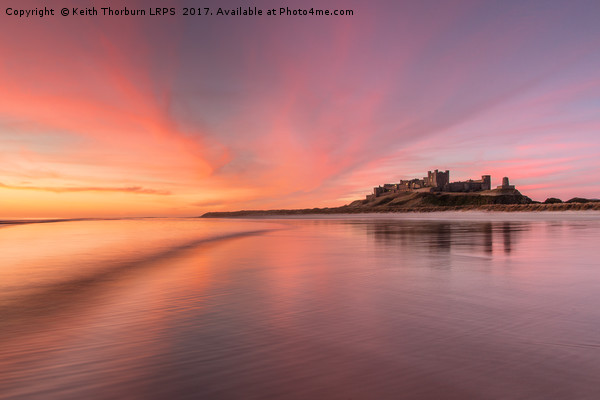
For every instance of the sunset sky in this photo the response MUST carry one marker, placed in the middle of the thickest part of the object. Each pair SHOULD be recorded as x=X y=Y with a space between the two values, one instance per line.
x=177 y=116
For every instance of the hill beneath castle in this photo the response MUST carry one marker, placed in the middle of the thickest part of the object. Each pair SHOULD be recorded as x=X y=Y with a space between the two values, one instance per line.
x=426 y=198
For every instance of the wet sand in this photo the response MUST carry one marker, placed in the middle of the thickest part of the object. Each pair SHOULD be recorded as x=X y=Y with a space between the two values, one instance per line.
x=418 y=306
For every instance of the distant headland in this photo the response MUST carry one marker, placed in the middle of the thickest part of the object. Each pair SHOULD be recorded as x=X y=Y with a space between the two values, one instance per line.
x=435 y=192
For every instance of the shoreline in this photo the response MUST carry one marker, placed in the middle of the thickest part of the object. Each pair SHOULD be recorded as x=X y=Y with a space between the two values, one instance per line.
x=535 y=207
x=349 y=209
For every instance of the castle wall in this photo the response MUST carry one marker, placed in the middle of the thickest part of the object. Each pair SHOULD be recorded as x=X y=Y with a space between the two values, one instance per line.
x=439 y=181
x=485 y=183
x=465 y=186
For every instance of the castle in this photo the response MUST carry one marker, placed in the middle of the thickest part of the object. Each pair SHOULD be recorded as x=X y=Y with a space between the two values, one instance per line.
x=438 y=181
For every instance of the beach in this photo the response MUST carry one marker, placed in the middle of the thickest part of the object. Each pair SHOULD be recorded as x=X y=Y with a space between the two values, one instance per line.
x=435 y=305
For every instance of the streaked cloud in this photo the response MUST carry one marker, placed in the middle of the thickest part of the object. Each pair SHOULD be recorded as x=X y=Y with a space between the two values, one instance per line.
x=57 y=189
x=297 y=112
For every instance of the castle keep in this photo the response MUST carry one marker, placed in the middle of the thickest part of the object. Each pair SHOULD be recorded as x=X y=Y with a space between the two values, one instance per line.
x=438 y=181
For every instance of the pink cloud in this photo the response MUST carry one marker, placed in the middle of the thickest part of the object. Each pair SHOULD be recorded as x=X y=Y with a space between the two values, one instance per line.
x=297 y=112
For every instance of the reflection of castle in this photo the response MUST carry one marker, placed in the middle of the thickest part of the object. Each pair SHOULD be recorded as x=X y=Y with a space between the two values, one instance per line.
x=437 y=181
x=474 y=237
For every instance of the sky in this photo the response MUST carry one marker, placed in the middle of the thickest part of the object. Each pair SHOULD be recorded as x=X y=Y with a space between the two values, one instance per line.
x=109 y=116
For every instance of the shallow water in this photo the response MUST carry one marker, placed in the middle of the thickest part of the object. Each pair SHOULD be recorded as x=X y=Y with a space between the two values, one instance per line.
x=464 y=305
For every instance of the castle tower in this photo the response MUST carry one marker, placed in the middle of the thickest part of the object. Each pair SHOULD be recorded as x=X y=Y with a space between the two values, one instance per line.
x=437 y=179
x=487 y=182
x=443 y=178
x=506 y=184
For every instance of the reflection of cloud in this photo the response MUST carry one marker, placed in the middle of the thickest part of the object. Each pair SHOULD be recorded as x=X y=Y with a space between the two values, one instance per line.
x=57 y=189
